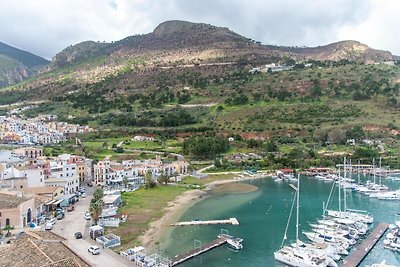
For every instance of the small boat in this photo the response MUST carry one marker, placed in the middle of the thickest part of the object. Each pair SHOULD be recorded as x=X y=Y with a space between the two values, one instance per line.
x=235 y=244
x=381 y=264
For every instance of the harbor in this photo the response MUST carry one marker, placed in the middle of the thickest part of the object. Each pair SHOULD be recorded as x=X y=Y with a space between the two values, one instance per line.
x=262 y=215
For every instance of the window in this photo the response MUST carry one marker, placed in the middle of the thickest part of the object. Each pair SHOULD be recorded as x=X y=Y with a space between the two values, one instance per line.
x=7 y=221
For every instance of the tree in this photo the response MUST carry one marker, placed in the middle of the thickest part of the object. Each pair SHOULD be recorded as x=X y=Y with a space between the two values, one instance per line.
x=8 y=228
x=271 y=146
x=98 y=194
x=365 y=153
x=105 y=145
x=163 y=178
x=125 y=181
x=96 y=204
x=356 y=132
x=149 y=181
x=96 y=208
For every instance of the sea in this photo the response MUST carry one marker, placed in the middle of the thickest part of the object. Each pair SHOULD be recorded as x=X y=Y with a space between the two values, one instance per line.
x=263 y=216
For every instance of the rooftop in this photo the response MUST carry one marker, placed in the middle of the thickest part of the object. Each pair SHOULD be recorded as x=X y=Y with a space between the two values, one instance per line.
x=41 y=190
x=39 y=249
x=10 y=202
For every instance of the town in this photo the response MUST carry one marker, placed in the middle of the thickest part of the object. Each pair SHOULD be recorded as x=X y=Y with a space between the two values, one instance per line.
x=41 y=130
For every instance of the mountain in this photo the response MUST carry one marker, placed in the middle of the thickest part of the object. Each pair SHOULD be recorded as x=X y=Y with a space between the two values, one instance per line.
x=17 y=65
x=139 y=63
x=344 y=50
x=187 y=42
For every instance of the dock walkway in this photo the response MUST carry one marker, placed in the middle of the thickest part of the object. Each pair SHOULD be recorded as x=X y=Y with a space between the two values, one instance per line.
x=355 y=258
x=197 y=251
x=232 y=221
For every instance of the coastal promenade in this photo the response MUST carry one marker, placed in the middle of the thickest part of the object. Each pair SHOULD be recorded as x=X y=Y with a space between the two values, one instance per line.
x=355 y=258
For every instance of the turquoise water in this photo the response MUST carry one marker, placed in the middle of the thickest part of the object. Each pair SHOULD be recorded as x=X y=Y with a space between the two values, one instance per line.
x=263 y=216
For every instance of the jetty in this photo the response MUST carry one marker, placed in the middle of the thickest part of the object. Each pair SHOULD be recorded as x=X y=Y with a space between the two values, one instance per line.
x=221 y=240
x=232 y=221
x=355 y=258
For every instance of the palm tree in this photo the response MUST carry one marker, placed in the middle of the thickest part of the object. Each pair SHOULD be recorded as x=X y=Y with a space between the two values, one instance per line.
x=96 y=208
x=96 y=204
x=8 y=228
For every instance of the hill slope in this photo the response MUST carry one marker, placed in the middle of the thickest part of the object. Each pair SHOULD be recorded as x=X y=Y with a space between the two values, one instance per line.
x=17 y=65
x=139 y=63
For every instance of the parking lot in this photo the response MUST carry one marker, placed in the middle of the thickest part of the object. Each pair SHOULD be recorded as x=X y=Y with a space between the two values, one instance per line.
x=74 y=222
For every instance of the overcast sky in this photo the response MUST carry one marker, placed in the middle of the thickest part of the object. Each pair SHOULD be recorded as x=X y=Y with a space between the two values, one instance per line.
x=45 y=27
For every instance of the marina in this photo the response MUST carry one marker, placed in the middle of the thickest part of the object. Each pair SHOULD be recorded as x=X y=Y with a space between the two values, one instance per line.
x=355 y=258
x=267 y=209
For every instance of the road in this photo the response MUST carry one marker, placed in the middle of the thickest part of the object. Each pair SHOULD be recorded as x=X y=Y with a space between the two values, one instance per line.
x=74 y=222
x=178 y=156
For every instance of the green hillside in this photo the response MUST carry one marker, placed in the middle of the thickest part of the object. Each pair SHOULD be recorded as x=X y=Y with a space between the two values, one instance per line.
x=195 y=77
x=17 y=65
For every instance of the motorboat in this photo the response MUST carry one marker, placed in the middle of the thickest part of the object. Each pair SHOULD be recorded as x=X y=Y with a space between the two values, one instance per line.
x=232 y=243
x=301 y=258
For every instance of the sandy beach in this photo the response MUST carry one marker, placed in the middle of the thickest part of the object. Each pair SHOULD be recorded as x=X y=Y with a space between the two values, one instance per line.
x=173 y=211
x=159 y=229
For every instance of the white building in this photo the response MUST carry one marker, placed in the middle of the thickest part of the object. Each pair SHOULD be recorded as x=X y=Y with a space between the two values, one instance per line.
x=33 y=174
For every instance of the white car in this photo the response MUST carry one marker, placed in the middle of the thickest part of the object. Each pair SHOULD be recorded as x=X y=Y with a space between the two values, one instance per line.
x=87 y=216
x=95 y=250
x=83 y=195
x=48 y=226
x=52 y=221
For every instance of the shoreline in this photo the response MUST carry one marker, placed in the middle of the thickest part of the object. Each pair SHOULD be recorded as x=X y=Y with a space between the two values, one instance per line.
x=161 y=229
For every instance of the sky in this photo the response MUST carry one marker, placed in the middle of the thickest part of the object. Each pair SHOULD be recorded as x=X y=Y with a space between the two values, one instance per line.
x=46 y=27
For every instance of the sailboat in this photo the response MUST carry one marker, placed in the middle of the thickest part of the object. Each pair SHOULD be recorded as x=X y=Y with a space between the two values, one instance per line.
x=295 y=255
x=357 y=215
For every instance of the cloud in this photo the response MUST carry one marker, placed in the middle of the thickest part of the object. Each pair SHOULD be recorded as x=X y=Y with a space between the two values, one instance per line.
x=45 y=27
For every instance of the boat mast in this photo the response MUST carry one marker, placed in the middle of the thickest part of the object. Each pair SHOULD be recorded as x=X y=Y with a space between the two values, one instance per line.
x=340 y=205
x=344 y=185
x=297 y=210
x=373 y=168
x=380 y=171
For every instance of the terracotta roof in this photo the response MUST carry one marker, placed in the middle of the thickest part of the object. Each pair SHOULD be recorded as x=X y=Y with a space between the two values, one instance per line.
x=41 y=190
x=39 y=249
x=10 y=202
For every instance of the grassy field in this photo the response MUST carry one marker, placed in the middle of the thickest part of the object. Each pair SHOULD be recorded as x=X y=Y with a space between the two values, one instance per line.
x=142 y=207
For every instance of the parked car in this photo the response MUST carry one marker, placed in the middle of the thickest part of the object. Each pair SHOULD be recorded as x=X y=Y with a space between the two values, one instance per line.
x=87 y=216
x=48 y=226
x=60 y=216
x=78 y=235
x=52 y=221
x=83 y=195
x=59 y=210
x=70 y=208
x=95 y=250
x=90 y=184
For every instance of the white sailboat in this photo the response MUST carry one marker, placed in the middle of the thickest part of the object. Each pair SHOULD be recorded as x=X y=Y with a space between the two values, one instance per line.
x=296 y=256
x=357 y=215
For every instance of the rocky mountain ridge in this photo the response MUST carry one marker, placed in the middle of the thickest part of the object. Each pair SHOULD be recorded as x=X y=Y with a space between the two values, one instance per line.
x=17 y=65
